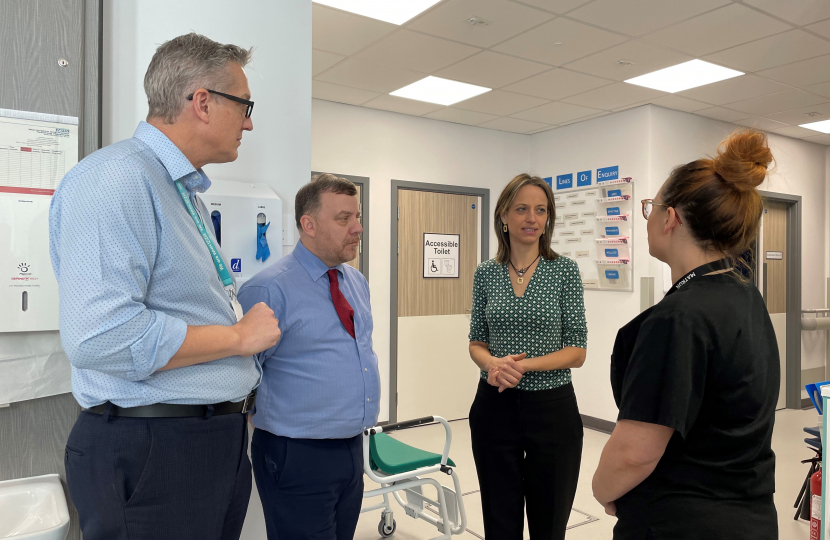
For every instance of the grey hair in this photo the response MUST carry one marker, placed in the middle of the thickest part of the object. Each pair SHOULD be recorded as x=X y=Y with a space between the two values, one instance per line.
x=183 y=65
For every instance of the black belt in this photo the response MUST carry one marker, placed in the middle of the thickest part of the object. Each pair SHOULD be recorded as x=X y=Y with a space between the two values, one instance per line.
x=169 y=410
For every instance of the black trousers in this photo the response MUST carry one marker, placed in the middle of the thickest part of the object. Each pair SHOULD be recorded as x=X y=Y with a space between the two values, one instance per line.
x=159 y=478
x=527 y=447
x=310 y=488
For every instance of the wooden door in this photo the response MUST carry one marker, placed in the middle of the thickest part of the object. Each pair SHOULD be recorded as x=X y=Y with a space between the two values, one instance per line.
x=435 y=373
x=773 y=259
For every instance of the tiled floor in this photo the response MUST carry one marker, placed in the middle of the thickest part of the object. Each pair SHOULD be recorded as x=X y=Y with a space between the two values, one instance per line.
x=787 y=443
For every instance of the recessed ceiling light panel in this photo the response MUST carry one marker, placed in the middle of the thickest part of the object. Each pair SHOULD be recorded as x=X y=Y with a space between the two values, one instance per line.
x=683 y=76
x=441 y=91
x=391 y=11
x=823 y=126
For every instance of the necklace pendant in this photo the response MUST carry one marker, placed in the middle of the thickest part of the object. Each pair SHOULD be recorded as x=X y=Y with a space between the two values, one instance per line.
x=520 y=280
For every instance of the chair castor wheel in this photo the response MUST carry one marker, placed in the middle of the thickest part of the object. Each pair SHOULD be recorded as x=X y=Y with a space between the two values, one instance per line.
x=385 y=531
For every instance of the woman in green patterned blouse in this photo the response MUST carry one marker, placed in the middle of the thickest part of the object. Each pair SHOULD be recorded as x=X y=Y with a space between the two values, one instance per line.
x=526 y=333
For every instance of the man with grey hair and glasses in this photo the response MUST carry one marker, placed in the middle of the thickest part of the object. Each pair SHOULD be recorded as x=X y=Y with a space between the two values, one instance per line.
x=162 y=359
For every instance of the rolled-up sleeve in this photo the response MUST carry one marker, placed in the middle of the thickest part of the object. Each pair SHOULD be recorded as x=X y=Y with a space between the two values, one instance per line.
x=572 y=306
x=103 y=245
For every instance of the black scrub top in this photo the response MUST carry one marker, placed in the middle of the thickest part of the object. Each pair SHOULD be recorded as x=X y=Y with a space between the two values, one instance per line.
x=704 y=361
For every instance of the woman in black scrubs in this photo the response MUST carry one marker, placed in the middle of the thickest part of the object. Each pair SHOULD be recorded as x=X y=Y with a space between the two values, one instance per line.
x=696 y=376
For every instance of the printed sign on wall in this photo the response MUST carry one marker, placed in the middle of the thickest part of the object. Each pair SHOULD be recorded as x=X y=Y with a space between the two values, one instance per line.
x=608 y=173
x=583 y=179
x=565 y=181
x=441 y=254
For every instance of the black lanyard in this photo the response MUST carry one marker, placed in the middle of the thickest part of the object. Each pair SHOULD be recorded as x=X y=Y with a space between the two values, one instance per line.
x=707 y=268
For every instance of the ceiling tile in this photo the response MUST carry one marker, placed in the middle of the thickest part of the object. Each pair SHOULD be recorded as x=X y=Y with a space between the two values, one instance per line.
x=460 y=116
x=720 y=113
x=322 y=60
x=556 y=113
x=549 y=128
x=822 y=28
x=341 y=94
x=799 y=12
x=578 y=120
x=822 y=89
x=803 y=115
x=639 y=17
x=402 y=105
x=577 y=40
x=645 y=57
x=801 y=74
x=679 y=103
x=630 y=106
x=614 y=96
x=556 y=6
x=773 y=103
x=720 y=29
x=492 y=70
x=344 y=33
x=764 y=124
x=449 y=20
x=514 y=124
x=557 y=84
x=736 y=89
x=820 y=139
x=500 y=103
x=772 y=51
x=369 y=76
x=795 y=131
x=418 y=52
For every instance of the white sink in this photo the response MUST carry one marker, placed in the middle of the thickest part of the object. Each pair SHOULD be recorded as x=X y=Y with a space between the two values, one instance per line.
x=33 y=509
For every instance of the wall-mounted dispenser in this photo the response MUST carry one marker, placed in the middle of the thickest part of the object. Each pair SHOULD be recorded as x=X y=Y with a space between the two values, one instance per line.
x=28 y=288
x=248 y=218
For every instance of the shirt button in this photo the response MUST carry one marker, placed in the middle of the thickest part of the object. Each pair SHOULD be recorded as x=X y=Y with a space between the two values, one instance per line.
x=365 y=369
x=368 y=399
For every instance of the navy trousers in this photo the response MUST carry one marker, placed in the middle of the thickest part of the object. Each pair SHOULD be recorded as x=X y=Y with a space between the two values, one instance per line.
x=159 y=478
x=311 y=489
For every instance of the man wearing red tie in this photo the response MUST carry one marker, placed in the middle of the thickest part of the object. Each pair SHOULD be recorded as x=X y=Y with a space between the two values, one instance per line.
x=320 y=385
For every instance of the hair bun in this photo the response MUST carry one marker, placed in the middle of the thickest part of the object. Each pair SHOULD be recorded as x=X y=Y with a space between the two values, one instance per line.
x=743 y=159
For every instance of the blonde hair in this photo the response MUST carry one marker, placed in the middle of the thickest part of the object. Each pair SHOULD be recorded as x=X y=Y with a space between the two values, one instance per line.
x=506 y=198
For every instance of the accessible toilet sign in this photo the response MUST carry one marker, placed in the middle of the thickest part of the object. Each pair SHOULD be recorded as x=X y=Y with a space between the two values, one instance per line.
x=441 y=254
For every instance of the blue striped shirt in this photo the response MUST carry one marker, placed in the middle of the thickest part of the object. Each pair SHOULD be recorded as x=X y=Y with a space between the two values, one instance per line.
x=133 y=273
x=318 y=382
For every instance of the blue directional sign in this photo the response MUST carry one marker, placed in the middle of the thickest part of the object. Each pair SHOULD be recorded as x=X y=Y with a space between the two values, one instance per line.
x=608 y=173
x=583 y=178
x=565 y=181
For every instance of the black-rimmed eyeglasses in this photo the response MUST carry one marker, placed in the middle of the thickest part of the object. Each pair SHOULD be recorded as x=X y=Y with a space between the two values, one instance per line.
x=246 y=102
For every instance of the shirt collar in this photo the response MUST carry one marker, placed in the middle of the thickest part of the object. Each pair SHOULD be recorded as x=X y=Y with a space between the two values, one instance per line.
x=312 y=263
x=177 y=165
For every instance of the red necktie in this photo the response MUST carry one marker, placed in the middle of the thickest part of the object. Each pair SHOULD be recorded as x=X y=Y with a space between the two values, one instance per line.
x=341 y=305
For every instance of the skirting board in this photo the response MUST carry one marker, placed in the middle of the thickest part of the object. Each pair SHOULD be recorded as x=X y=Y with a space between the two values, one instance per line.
x=597 y=424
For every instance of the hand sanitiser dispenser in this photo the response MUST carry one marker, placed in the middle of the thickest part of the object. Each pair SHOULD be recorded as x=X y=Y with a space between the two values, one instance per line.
x=244 y=217
x=28 y=288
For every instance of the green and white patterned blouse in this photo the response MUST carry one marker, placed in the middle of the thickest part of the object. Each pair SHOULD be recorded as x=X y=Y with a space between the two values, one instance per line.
x=548 y=317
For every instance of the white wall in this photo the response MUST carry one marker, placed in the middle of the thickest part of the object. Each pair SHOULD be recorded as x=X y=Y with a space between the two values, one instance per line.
x=387 y=146
x=647 y=142
x=277 y=152
x=619 y=139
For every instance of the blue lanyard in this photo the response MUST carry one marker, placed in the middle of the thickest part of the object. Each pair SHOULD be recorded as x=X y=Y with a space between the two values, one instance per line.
x=221 y=269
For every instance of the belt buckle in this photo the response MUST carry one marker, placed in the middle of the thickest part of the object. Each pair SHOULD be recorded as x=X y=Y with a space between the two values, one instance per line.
x=249 y=403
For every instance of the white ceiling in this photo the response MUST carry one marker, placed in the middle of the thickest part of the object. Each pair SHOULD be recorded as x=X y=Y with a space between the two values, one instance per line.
x=556 y=62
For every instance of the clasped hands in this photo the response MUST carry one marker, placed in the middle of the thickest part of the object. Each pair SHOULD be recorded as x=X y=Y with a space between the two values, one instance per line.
x=506 y=372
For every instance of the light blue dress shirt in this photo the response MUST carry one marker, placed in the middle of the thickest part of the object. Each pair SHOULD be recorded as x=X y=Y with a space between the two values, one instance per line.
x=133 y=273
x=317 y=382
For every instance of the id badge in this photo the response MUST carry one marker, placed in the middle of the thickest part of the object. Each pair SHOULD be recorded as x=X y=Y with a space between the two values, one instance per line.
x=237 y=309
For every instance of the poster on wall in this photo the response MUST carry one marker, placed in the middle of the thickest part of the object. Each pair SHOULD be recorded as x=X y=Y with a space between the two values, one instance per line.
x=36 y=151
x=593 y=227
x=441 y=255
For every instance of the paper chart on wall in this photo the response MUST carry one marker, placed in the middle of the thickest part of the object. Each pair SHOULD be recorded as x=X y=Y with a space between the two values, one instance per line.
x=36 y=151
x=593 y=227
